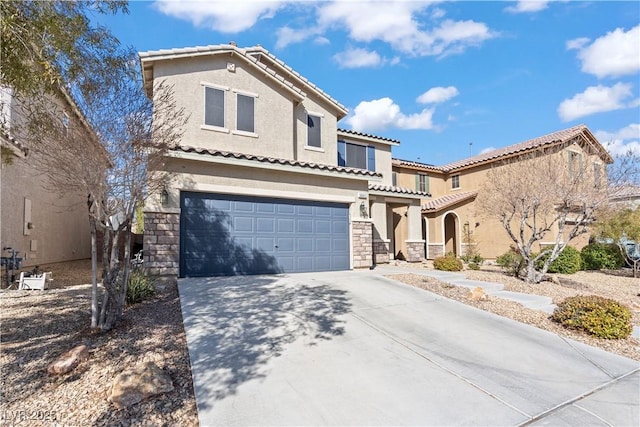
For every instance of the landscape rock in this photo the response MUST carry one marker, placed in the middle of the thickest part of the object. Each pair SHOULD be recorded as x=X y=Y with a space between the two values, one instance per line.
x=478 y=294
x=69 y=360
x=135 y=385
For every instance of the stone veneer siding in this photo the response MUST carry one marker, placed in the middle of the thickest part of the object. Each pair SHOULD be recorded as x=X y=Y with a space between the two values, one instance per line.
x=381 y=251
x=362 y=240
x=415 y=251
x=435 y=251
x=162 y=243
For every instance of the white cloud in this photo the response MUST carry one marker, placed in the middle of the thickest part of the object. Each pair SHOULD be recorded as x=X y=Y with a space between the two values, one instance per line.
x=578 y=43
x=615 y=54
x=621 y=141
x=395 y=23
x=595 y=99
x=438 y=94
x=528 y=6
x=383 y=113
x=488 y=149
x=226 y=16
x=358 y=58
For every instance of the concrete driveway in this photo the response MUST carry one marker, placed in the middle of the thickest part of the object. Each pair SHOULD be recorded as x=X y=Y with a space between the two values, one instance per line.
x=355 y=348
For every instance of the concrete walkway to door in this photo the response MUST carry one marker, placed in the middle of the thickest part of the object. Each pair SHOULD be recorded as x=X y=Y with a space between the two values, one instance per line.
x=355 y=348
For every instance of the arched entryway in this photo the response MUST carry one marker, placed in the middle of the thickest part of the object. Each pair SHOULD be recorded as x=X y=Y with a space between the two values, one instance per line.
x=451 y=233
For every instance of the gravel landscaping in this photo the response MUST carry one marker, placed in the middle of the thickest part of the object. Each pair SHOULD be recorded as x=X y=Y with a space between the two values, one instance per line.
x=38 y=326
x=609 y=285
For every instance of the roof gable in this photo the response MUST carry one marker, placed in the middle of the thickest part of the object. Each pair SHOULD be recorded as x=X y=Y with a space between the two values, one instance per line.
x=273 y=69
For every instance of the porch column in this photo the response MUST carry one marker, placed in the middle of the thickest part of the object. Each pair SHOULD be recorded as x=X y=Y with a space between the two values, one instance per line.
x=380 y=238
x=414 y=242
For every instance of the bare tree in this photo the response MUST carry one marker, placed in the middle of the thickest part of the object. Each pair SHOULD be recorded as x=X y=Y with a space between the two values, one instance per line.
x=109 y=143
x=541 y=197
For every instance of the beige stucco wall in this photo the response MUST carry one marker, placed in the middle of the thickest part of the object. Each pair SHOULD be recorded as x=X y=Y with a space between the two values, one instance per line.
x=190 y=175
x=280 y=120
x=60 y=220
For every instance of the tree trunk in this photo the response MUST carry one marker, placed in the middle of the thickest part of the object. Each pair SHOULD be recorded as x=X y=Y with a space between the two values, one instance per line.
x=95 y=310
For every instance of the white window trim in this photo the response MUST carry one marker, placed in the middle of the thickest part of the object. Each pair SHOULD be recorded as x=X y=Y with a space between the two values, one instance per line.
x=459 y=184
x=245 y=93
x=312 y=148
x=204 y=126
x=244 y=133
x=214 y=128
x=237 y=131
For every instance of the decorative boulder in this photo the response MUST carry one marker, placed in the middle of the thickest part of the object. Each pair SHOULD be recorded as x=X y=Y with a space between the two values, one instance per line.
x=478 y=294
x=135 y=385
x=69 y=360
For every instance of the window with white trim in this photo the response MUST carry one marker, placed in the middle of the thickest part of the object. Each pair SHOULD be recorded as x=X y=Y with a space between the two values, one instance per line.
x=314 y=133
x=422 y=183
x=455 y=182
x=213 y=107
x=356 y=156
x=245 y=119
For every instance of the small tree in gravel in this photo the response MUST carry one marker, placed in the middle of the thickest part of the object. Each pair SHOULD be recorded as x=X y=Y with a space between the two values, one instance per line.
x=622 y=225
x=543 y=196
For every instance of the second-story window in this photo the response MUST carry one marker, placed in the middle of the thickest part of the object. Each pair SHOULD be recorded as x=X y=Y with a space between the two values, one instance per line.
x=597 y=175
x=213 y=107
x=356 y=156
x=422 y=183
x=246 y=113
x=394 y=178
x=455 y=182
x=314 y=134
x=575 y=164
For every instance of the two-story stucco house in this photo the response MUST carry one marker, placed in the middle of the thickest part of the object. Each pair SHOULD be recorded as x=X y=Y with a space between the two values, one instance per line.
x=263 y=180
x=451 y=213
x=42 y=225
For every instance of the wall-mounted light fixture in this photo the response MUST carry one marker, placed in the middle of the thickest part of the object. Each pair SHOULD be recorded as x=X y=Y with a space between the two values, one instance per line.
x=164 y=196
x=363 y=210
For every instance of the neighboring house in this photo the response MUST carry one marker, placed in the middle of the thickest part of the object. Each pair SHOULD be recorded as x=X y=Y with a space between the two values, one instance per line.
x=263 y=180
x=44 y=226
x=626 y=195
x=451 y=220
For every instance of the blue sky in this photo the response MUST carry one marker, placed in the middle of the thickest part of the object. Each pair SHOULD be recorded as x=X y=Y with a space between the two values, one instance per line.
x=438 y=76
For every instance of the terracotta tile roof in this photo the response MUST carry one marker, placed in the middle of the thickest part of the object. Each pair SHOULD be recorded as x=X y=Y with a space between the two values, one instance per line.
x=397 y=190
x=448 y=200
x=561 y=136
x=274 y=160
x=558 y=137
x=625 y=192
x=367 y=135
x=6 y=136
x=425 y=166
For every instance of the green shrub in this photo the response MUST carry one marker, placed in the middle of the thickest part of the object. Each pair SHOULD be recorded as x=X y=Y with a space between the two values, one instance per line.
x=568 y=262
x=511 y=262
x=139 y=287
x=474 y=266
x=602 y=317
x=447 y=263
x=596 y=256
x=474 y=258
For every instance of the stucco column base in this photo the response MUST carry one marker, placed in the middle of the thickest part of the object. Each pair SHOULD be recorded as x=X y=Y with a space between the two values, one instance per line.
x=362 y=241
x=381 y=251
x=162 y=243
x=415 y=250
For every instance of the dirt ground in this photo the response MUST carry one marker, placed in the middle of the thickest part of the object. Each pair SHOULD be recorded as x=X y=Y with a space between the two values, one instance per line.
x=38 y=326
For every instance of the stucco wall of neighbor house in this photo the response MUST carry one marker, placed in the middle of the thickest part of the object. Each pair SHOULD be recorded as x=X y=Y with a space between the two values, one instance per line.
x=280 y=124
x=489 y=235
x=60 y=220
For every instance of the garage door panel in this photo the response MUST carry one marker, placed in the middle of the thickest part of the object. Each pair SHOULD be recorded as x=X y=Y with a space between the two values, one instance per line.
x=228 y=235
x=243 y=224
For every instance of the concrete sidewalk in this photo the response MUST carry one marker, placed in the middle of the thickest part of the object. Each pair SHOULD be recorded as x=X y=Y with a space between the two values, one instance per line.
x=355 y=348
